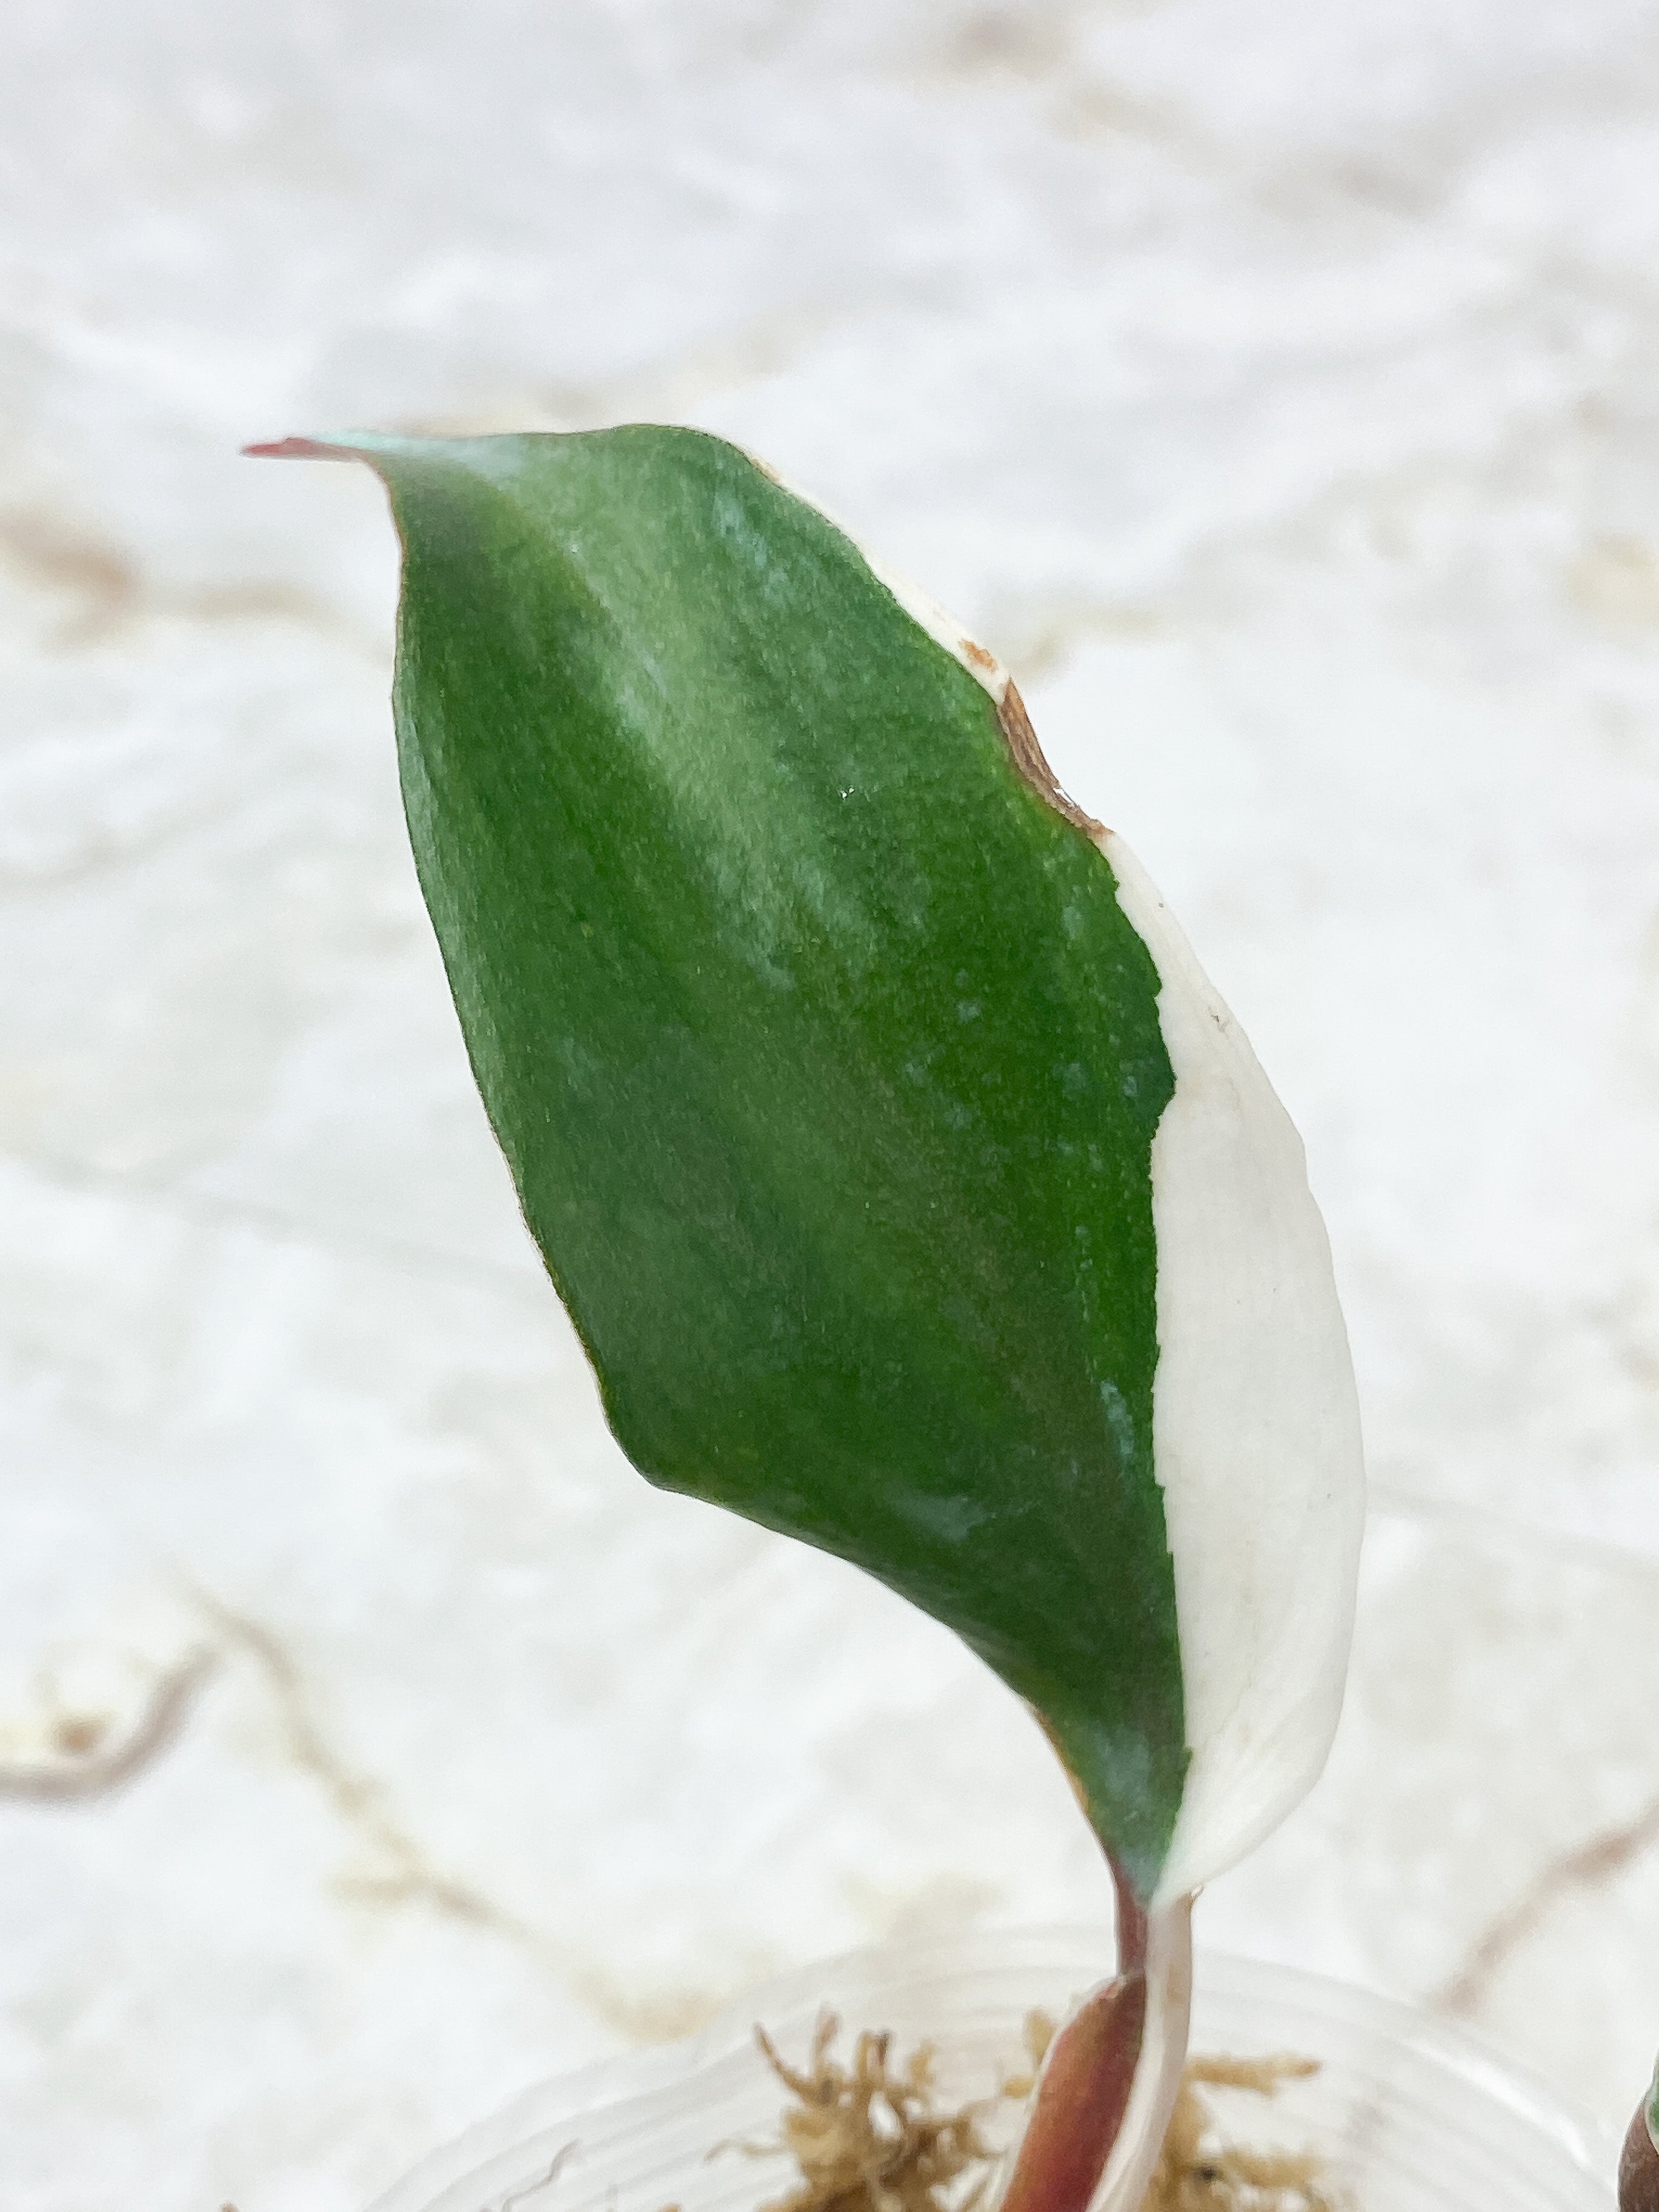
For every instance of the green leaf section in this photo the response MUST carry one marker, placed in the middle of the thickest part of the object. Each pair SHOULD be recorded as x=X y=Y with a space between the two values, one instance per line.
x=825 y=1061
x=1652 y=2107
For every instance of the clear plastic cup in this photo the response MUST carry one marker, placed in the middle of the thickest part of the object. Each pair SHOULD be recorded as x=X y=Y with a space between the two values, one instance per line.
x=1411 y=2115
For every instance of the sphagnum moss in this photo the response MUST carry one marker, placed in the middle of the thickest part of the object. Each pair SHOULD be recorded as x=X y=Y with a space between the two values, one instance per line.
x=871 y=2135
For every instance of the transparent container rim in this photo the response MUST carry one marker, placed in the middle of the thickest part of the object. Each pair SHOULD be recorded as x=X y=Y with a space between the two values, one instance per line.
x=608 y=2084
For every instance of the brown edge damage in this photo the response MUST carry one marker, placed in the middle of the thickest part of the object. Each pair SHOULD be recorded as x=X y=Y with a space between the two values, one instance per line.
x=1012 y=720
x=1027 y=754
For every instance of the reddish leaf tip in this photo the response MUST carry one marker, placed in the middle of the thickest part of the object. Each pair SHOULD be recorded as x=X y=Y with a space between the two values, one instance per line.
x=298 y=449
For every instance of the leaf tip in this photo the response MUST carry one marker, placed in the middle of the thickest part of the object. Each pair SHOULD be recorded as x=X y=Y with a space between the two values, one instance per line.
x=298 y=449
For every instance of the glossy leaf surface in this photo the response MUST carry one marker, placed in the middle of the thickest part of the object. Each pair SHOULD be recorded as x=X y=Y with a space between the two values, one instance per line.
x=825 y=1061
x=910 y=1187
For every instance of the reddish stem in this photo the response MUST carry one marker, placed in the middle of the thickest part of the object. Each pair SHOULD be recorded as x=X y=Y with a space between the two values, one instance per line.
x=1083 y=2092
x=1638 y=2169
x=1081 y=2101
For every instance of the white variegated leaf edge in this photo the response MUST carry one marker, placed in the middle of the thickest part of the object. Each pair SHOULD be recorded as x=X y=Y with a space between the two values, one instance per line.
x=1255 y=1421
x=1256 y=1441
x=1255 y=1417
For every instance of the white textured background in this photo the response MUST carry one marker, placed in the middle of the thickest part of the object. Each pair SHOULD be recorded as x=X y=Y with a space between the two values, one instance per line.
x=1277 y=388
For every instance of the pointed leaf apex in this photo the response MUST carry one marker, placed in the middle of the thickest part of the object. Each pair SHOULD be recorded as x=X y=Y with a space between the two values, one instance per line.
x=301 y=449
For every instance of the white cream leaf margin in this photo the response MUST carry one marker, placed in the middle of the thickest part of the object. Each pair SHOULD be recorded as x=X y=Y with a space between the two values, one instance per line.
x=1255 y=1420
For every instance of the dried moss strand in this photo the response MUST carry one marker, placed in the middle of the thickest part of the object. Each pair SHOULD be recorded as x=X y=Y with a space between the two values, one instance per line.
x=868 y=2136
